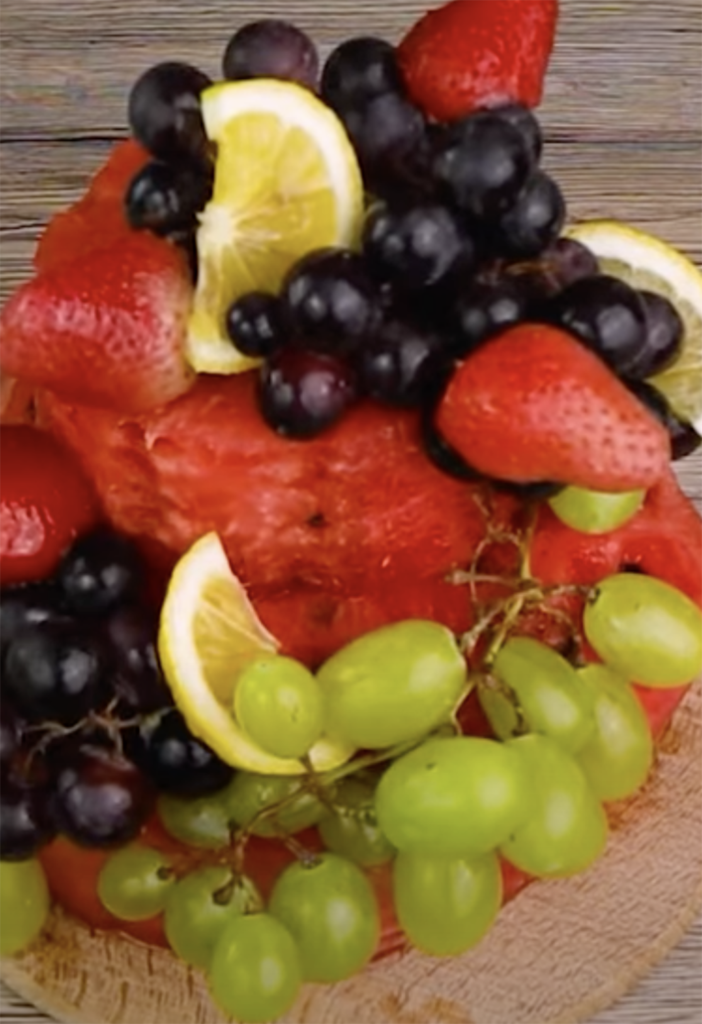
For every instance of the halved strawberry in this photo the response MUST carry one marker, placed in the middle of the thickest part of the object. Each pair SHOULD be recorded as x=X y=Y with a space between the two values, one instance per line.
x=534 y=404
x=107 y=329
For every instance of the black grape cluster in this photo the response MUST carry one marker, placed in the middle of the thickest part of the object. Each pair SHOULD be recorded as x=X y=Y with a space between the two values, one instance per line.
x=88 y=732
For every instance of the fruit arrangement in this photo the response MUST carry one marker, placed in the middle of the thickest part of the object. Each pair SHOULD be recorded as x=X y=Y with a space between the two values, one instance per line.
x=346 y=584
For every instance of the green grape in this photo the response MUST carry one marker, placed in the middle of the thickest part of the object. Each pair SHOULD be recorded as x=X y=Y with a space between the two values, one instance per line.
x=200 y=906
x=249 y=794
x=645 y=630
x=595 y=511
x=352 y=830
x=135 y=882
x=24 y=904
x=255 y=972
x=552 y=699
x=453 y=797
x=278 y=702
x=446 y=905
x=393 y=685
x=205 y=821
x=330 y=909
x=619 y=756
x=567 y=829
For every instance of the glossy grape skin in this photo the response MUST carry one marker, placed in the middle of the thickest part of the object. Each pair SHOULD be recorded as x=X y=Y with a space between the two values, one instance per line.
x=101 y=571
x=645 y=630
x=24 y=905
x=526 y=123
x=278 y=702
x=533 y=222
x=330 y=909
x=402 y=364
x=25 y=820
x=199 y=907
x=446 y=905
x=619 y=756
x=664 y=336
x=482 y=163
x=29 y=605
x=607 y=315
x=595 y=512
x=417 y=246
x=164 y=112
x=566 y=830
x=175 y=761
x=57 y=672
x=551 y=698
x=137 y=679
x=351 y=829
x=255 y=973
x=358 y=70
x=135 y=882
x=485 y=309
x=204 y=822
x=301 y=394
x=99 y=799
x=250 y=794
x=165 y=198
x=392 y=685
x=453 y=797
x=684 y=439
x=387 y=131
x=256 y=324
x=10 y=738
x=271 y=48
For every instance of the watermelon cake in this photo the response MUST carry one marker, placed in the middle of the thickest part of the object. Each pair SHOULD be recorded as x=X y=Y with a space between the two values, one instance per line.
x=347 y=586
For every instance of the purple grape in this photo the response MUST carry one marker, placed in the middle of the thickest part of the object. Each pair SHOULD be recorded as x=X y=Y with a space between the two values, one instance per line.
x=29 y=605
x=301 y=393
x=25 y=820
x=608 y=316
x=166 y=198
x=100 y=571
x=684 y=439
x=256 y=324
x=359 y=70
x=165 y=115
x=137 y=679
x=175 y=761
x=485 y=309
x=271 y=48
x=387 y=131
x=10 y=737
x=570 y=261
x=664 y=337
x=482 y=163
x=416 y=247
x=402 y=365
x=523 y=119
x=534 y=221
x=330 y=301
x=99 y=799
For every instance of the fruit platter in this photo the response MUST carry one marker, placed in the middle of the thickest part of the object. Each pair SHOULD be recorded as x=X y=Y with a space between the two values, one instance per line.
x=351 y=585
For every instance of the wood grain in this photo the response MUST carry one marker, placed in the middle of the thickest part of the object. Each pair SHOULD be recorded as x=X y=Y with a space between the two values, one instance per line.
x=624 y=136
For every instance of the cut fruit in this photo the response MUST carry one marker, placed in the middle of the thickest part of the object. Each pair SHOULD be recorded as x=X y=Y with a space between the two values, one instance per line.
x=646 y=262
x=208 y=633
x=286 y=182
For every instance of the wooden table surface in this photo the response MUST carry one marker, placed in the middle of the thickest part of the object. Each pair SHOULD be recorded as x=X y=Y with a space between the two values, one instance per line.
x=623 y=119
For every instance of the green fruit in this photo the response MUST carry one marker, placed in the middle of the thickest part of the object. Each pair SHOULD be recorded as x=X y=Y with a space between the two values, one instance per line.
x=446 y=905
x=249 y=795
x=393 y=685
x=453 y=797
x=595 y=511
x=352 y=830
x=278 y=702
x=552 y=699
x=567 y=828
x=619 y=755
x=330 y=909
x=205 y=821
x=24 y=904
x=134 y=883
x=645 y=630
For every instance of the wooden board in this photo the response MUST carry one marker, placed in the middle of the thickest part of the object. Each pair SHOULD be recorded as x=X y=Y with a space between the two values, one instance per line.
x=622 y=116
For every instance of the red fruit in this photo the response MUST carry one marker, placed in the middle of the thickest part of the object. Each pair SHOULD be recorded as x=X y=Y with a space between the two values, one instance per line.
x=107 y=329
x=45 y=503
x=534 y=404
x=479 y=53
x=97 y=220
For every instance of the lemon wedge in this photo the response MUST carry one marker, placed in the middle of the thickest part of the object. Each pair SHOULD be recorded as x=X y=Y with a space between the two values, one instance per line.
x=286 y=182
x=646 y=262
x=208 y=633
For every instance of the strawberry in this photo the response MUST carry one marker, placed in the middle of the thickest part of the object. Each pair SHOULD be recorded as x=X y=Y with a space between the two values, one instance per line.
x=534 y=404
x=107 y=329
x=479 y=53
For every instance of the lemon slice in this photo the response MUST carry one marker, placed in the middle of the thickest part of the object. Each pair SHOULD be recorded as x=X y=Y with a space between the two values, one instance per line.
x=286 y=182
x=208 y=633
x=646 y=262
